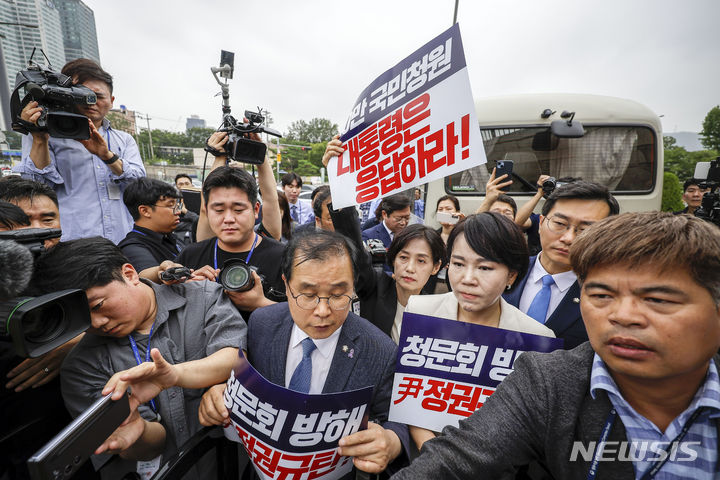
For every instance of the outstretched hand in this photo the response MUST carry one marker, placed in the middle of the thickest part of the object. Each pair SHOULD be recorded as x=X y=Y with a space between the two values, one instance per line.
x=146 y=380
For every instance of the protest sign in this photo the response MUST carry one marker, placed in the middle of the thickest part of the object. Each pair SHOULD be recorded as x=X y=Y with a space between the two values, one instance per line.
x=288 y=434
x=414 y=124
x=447 y=369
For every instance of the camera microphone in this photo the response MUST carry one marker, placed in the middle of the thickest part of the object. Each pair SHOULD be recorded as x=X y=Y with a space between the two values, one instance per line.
x=17 y=262
x=35 y=90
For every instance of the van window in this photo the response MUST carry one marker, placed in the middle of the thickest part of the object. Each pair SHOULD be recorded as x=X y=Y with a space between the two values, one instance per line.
x=623 y=158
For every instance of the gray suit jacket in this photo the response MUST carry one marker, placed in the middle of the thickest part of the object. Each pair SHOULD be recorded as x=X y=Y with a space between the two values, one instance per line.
x=372 y=363
x=533 y=418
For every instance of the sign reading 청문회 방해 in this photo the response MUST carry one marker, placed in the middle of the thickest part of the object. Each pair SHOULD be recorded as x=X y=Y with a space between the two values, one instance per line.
x=288 y=434
x=414 y=124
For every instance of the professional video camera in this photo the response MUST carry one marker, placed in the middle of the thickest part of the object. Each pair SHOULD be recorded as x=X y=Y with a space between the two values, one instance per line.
x=36 y=325
x=239 y=147
x=236 y=276
x=57 y=96
x=709 y=173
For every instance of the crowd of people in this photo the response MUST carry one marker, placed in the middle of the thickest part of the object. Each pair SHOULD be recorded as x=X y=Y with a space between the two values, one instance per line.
x=634 y=297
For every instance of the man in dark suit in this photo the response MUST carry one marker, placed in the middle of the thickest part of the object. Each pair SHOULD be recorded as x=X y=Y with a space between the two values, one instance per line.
x=314 y=344
x=549 y=292
x=395 y=215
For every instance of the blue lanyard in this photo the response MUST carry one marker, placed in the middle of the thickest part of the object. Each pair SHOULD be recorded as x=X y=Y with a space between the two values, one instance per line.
x=247 y=259
x=657 y=465
x=138 y=231
x=133 y=345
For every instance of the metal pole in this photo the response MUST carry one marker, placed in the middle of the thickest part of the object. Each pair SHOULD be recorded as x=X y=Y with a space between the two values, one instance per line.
x=152 y=153
x=5 y=91
x=456 y=10
x=278 y=163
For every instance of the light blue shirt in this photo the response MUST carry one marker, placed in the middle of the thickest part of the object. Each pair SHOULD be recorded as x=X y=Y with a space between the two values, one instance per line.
x=640 y=429
x=89 y=194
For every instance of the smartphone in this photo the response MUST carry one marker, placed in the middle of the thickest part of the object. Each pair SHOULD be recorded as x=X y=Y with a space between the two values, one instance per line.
x=444 y=217
x=62 y=456
x=503 y=167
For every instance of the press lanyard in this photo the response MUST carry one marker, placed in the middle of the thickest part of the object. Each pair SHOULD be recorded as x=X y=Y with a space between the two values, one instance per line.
x=138 y=231
x=247 y=259
x=177 y=244
x=657 y=465
x=133 y=345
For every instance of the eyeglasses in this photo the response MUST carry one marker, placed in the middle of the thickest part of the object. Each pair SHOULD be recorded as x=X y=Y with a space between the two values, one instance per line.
x=310 y=302
x=560 y=226
x=176 y=209
x=398 y=219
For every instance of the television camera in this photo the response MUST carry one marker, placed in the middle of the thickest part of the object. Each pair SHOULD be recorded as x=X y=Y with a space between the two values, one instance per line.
x=239 y=147
x=709 y=175
x=57 y=96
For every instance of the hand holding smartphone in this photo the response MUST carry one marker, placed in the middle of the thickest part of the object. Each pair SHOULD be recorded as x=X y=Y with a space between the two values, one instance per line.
x=444 y=217
x=504 y=167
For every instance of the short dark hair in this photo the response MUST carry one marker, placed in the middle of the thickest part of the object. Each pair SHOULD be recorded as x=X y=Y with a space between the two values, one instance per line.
x=290 y=177
x=83 y=263
x=317 y=245
x=182 y=175
x=496 y=238
x=656 y=239
x=452 y=198
x=230 y=177
x=410 y=233
x=691 y=181
x=393 y=203
x=505 y=198
x=581 y=190
x=286 y=219
x=13 y=189
x=12 y=216
x=83 y=69
x=146 y=191
x=317 y=202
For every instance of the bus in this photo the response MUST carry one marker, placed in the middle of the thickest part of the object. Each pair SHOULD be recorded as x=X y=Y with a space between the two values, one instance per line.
x=608 y=140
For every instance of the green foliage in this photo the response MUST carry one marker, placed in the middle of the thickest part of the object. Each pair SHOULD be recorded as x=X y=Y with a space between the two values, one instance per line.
x=672 y=193
x=711 y=130
x=315 y=131
x=120 y=122
x=681 y=162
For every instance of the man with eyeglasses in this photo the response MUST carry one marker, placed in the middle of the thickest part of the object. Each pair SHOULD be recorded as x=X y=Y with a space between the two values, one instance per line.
x=394 y=216
x=344 y=352
x=155 y=207
x=550 y=292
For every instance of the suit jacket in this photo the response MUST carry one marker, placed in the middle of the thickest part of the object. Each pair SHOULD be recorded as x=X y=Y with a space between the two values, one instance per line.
x=566 y=321
x=379 y=232
x=533 y=418
x=372 y=364
x=445 y=305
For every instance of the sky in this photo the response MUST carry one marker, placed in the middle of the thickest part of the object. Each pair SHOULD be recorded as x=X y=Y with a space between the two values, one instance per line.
x=306 y=59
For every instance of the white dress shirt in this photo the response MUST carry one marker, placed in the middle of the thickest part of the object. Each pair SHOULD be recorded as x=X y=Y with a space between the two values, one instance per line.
x=392 y=235
x=321 y=357
x=563 y=281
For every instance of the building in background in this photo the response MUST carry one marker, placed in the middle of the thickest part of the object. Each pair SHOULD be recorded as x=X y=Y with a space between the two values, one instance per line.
x=78 y=30
x=123 y=119
x=194 y=121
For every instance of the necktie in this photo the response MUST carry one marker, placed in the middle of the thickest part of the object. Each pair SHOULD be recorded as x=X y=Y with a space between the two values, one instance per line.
x=300 y=380
x=293 y=213
x=539 y=306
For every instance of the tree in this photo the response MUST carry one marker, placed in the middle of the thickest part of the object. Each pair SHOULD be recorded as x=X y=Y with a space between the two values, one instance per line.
x=120 y=122
x=315 y=131
x=672 y=193
x=13 y=139
x=711 y=130
x=197 y=136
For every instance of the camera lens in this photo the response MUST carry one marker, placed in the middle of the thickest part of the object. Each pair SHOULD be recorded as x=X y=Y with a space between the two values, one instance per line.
x=236 y=278
x=44 y=324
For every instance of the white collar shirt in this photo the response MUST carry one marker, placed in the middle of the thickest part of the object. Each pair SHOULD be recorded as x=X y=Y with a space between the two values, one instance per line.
x=321 y=357
x=563 y=282
x=392 y=236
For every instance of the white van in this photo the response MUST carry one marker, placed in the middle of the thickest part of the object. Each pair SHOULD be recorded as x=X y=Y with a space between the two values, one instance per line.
x=620 y=146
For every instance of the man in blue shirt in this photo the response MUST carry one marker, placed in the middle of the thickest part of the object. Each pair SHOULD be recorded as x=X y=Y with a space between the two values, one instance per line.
x=641 y=399
x=89 y=176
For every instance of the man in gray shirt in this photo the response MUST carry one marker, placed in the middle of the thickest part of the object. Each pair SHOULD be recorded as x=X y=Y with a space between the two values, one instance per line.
x=191 y=328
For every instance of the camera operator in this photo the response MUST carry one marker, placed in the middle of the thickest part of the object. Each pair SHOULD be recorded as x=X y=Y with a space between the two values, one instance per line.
x=192 y=325
x=230 y=208
x=37 y=200
x=692 y=195
x=87 y=175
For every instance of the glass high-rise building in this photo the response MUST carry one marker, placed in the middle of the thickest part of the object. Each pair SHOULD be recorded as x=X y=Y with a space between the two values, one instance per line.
x=78 y=27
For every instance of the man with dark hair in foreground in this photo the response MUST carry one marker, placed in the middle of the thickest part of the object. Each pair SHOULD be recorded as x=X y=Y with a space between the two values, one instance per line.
x=641 y=398
x=193 y=326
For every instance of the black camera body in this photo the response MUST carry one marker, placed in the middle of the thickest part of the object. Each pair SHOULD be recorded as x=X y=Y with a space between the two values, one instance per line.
x=709 y=209
x=239 y=147
x=57 y=96
x=236 y=276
